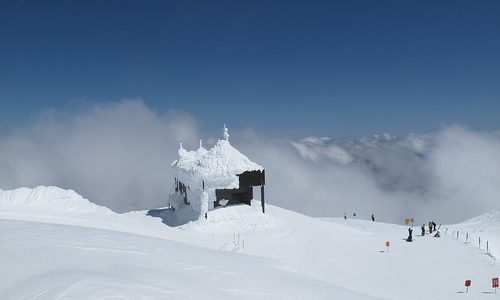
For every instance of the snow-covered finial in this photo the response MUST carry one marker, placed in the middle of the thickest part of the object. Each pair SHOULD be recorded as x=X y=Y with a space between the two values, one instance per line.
x=182 y=152
x=201 y=144
x=226 y=135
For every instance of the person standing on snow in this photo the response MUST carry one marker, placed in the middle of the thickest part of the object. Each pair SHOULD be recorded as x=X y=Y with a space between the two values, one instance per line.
x=373 y=218
x=423 y=229
x=410 y=238
x=434 y=225
x=430 y=227
x=345 y=216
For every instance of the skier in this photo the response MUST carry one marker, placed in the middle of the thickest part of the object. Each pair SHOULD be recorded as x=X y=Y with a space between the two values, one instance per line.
x=410 y=239
x=373 y=218
x=423 y=229
x=430 y=227
x=434 y=225
x=345 y=216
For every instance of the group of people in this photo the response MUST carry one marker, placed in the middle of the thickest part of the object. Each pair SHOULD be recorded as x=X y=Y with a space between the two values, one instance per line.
x=432 y=228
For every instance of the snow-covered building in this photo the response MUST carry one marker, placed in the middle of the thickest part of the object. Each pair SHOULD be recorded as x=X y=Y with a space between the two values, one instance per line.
x=207 y=179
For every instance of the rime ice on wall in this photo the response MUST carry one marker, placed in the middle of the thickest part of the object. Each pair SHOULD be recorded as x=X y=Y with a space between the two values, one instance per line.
x=203 y=171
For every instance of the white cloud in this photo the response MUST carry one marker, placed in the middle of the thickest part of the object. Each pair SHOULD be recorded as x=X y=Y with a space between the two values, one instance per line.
x=315 y=149
x=448 y=176
x=119 y=155
x=115 y=154
x=466 y=171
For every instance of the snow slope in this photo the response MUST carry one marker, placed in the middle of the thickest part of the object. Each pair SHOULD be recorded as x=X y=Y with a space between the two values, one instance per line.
x=59 y=206
x=52 y=250
x=47 y=261
x=485 y=227
x=95 y=258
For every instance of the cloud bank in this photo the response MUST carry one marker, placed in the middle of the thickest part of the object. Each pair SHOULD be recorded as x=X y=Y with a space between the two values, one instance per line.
x=447 y=176
x=119 y=155
x=116 y=154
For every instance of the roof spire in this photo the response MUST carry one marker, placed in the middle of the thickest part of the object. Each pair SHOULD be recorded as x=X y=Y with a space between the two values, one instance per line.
x=226 y=134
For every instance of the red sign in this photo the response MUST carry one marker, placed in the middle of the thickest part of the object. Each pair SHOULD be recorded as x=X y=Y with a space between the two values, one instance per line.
x=494 y=282
x=467 y=282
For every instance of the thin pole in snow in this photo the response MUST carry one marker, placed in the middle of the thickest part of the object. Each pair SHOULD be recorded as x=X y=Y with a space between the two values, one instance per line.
x=262 y=199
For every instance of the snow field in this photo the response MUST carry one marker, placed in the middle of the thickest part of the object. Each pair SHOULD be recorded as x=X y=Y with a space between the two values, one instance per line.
x=53 y=253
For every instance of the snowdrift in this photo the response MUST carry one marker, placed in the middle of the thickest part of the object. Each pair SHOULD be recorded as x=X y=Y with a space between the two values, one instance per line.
x=48 y=200
x=235 y=219
x=59 y=206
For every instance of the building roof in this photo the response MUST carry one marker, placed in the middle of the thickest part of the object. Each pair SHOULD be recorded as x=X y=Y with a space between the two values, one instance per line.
x=217 y=167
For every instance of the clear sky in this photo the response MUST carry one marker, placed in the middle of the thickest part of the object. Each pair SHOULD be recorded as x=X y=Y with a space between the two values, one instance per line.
x=301 y=67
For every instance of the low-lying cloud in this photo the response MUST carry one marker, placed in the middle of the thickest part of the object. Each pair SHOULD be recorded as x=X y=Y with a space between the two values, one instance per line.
x=448 y=176
x=116 y=154
x=119 y=155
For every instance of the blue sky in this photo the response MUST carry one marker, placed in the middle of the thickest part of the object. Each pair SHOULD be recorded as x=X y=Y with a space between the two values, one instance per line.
x=297 y=67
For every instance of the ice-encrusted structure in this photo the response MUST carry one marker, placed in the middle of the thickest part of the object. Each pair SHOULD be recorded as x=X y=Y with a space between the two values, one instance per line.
x=199 y=173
